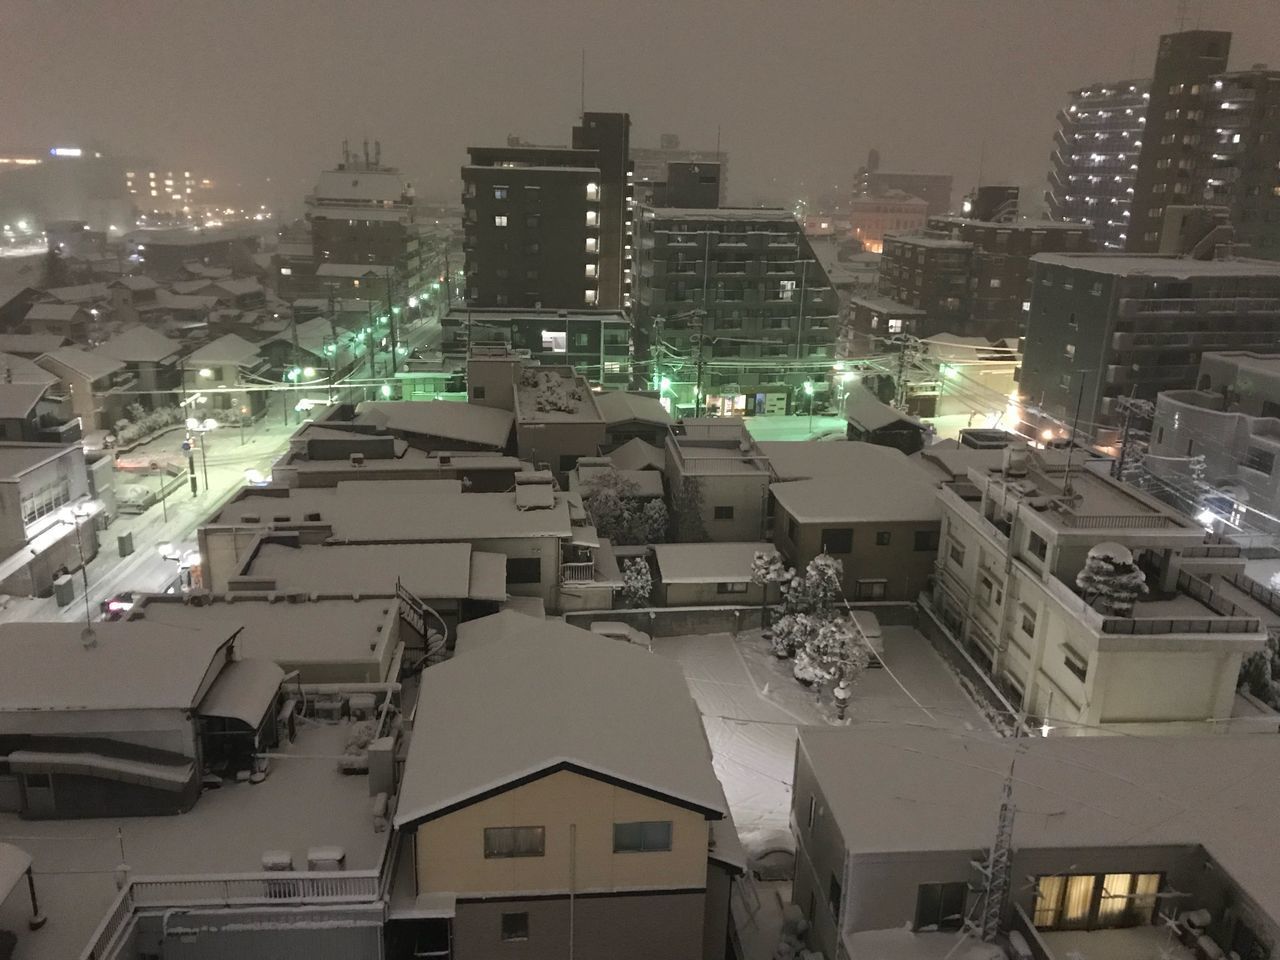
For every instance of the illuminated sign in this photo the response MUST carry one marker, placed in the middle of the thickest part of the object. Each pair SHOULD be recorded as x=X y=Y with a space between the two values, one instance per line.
x=65 y=151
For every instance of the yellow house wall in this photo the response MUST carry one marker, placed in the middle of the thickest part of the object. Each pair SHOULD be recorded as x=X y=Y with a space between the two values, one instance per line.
x=450 y=850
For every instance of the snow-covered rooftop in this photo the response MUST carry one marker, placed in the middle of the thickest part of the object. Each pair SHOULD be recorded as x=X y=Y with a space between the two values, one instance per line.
x=18 y=399
x=636 y=454
x=1156 y=265
x=1070 y=792
x=619 y=406
x=94 y=366
x=226 y=832
x=30 y=344
x=140 y=344
x=862 y=407
x=446 y=419
x=16 y=458
x=21 y=370
x=727 y=214
x=563 y=705
x=81 y=293
x=707 y=562
x=354 y=270
x=229 y=348
x=341 y=637
x=363 y=511
x=431 y=571
x=855 y=482
x=48 y=666
x=554 y=394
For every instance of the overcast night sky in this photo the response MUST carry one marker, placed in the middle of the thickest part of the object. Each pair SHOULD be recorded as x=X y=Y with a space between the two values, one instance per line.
x=800 y=90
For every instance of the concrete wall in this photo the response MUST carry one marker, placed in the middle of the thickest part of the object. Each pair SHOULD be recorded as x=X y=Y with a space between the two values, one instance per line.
x=695 y=594
x=905 y=568
x=556 y=442
x=333 y=933
x=820 y=855
x=676 y=621
x=450 y=849
x=747 y=494
x=634 y=927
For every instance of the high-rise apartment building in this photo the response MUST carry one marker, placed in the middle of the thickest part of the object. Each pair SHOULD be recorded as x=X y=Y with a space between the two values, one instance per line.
x=1094 y=161
x=1241 y=156
x=651 y=167
x=733 y=296
x=1106 y=326
x=933 y=188
x=362 y=216
x=550 y=226
x=1169 y=161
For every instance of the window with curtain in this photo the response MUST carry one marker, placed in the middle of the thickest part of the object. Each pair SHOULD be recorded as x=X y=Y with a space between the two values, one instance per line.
x=1088 y=901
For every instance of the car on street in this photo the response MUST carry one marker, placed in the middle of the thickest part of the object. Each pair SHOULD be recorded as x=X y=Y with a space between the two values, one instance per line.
x=869 y=627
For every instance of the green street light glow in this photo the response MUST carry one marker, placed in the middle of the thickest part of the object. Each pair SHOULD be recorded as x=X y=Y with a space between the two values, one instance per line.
x=808 y=387
x=309 y=372
x=386 y=390
x=664 y=384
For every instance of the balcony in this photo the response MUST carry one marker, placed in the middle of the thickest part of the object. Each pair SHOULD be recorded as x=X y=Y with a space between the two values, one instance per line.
x=1130 y=307
x=578 y=572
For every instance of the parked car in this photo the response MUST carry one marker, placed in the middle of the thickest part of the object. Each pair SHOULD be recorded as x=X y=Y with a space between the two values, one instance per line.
x=617 y=630
x=870 y=627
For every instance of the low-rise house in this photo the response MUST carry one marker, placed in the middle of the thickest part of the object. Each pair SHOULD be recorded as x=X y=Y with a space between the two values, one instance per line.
x=356 y=281
x=133 y=298
x=31 y=345
x=221 y=366
x=324 y=637
x=47 y=515
x=430 y=425
x=591 y=471
x=551 y=551
x=71 y=321
x=126 y=719
x=152 y=358
x=629 y=416
x=871 y=507
x=596 y=821
x=716 y=473
x=1121 y=847
x=557 y=420
x=638 y=454
x=700 y=574
x=871 y=421
x=1014 y=540
x=100 y=387
x=33 y=405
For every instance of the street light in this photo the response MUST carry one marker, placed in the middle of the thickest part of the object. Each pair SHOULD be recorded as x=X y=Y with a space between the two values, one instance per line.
x=808 y=392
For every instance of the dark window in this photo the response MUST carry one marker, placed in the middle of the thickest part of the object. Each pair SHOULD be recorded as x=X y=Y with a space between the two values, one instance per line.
x=38 y=781
x=477 y=393
x=515 y=926
x=524 y=570
x=926 y=540
x=870 y=589
x=724 y=513
x=833 y=896
x=940 y=906
x=882 y=538
x=645 y=836
x=1037 y=545
x=568 y=461
x=731 y=587
x=1077 y=664
x=1261 y=460
x=836 y=540
x=504 y=842
x=813 y=811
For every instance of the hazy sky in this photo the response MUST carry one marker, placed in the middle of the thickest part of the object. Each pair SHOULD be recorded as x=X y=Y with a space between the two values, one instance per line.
x=800 y=89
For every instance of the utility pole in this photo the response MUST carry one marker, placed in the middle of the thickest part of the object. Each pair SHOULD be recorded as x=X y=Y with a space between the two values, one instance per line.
x=391 y=319
x=373 y=372
x=700 y=363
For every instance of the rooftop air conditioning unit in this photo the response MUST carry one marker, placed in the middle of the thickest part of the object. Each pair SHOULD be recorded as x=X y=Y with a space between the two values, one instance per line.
x=357 y=459
x=445 y=459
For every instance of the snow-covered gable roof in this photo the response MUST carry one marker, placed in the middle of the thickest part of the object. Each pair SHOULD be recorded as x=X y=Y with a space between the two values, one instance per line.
x=47 y=666
x=135 y=284
x=563 y=707
x=31 y=344
x=619 y=406
x=58 y=312
x=707 y=562
x=21 y=370
x=244 y=690
x=140 y=344
x=93 y=366
x=861 y=482
x=861 y=407
x=446 y=419
x=83 y=293
x=354 y=271
x=229 y=348
x=17 y=400
x=636 y=454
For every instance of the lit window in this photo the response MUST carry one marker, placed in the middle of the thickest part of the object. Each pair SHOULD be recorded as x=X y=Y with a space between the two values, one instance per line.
x=500 y=220
x=593 y=191
x=593 y=244
x=499 y=193
x=593 y=218
x=286 y=271
x=591 y=297
x=895 y=324
x=592 y=270
x=554 y=340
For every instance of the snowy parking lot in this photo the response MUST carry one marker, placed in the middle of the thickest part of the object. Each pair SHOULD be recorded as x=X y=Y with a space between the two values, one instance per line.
x=752 y=707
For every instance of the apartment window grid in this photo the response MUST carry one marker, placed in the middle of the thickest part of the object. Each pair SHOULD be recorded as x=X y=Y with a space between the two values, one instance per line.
x=45 y=499
x=501 y=843
x=643 y=836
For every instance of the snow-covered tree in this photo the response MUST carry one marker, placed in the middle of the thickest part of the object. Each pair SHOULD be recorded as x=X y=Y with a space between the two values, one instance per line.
x=686 y=512
x=790 y=633
x=766 y=570
x=808 y=600
x=833 y=652
x=653 y=521
x=618 y=513
x=1110 y=580
x=637 y=582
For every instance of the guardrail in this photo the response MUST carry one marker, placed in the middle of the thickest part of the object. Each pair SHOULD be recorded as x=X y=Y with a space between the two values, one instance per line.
x=116 y=919
x=579 y=572
x=1109 y=522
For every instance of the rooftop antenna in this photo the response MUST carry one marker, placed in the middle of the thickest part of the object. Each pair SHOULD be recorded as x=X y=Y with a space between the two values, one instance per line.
x=1075 y=424
x=1183 y=9
x=346 y=152
x=377 y=153
x=582 y=86
x=366 y=153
